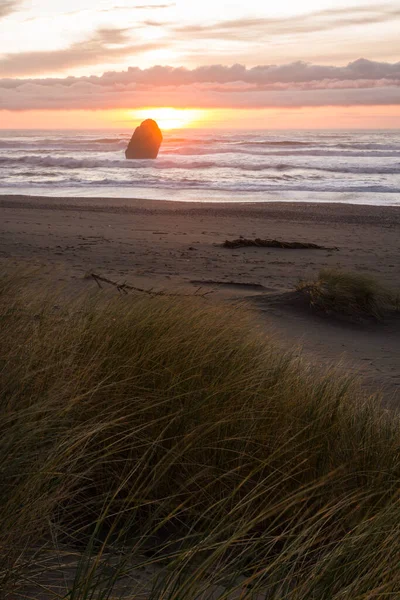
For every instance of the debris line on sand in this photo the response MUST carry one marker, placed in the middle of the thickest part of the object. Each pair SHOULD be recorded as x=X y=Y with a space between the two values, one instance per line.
x=125 y=288
x=258 y=242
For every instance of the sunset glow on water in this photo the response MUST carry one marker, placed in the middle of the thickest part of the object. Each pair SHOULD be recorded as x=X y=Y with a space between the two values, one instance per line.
x=195 y=164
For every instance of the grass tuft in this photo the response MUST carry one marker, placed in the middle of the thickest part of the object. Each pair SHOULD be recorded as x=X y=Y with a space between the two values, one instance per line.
x=356 y=295
x=165 y=448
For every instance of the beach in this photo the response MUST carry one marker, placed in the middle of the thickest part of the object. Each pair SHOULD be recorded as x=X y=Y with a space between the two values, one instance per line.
x=177 y=247
x=199 y=300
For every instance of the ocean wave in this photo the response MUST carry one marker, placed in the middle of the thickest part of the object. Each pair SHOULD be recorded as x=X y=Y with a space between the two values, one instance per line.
x=233 y=187
x=277 y=143
x=40 y=173
x=328 y=146
x=201 y=165
x=115 y=147
x=107 y=141
x=94 y=145
x=368 y=146
x=206 y=141
x=163 y=164
x=193 y=151
x=328 y=153
x=69 y=162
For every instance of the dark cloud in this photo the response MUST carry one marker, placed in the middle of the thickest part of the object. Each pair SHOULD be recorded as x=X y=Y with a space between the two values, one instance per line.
x=104 y=45
x=294 y=85
x=322 y=20
x=88 y=96
x=260 y=75
x=7 y=7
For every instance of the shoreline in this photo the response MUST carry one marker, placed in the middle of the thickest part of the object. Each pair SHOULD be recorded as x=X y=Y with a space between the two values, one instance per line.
x=331 y=211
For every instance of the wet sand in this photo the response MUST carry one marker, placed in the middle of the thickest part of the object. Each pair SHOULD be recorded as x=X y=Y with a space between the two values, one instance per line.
x=175 y=245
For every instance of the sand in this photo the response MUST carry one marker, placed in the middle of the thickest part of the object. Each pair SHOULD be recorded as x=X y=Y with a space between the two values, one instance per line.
x=177 y=245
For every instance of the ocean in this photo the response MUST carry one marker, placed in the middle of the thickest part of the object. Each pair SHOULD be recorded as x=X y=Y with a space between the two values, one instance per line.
x=357 y=167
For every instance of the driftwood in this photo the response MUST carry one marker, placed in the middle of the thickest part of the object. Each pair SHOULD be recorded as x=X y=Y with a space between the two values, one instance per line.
x=259 y=243
x=125 y=288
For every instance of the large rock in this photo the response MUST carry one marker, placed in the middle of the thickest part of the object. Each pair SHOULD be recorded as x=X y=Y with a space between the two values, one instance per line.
x=146 y=141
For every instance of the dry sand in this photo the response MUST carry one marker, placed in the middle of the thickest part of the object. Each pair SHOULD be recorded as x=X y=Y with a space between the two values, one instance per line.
x=164 y=245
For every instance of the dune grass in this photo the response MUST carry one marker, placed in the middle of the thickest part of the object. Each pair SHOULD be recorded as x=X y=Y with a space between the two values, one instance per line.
x=350 y=293
x=171 y=437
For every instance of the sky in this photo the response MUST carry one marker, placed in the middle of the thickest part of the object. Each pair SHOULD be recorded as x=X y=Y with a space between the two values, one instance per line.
x=247 y=64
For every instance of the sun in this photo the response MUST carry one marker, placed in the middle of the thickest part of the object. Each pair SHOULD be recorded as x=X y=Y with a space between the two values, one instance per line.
x=168 y=117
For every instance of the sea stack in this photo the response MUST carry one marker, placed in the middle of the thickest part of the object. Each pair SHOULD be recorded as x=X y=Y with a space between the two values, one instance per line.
x=145 y=142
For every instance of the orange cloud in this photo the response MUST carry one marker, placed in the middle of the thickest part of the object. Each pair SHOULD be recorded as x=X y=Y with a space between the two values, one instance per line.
x=360 y=83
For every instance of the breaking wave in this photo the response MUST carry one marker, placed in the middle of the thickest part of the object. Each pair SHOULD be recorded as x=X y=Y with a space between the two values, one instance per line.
x=161 y=164
x=356 y=164
x=232 y=187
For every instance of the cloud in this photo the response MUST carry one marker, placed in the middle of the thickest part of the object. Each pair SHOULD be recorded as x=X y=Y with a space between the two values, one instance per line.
x=322 y=20
x=361 y=82
x=137 y=7
x=109 y=10
x=104 y=45
x=245 y=38
x=7 y=7
x=295 y=72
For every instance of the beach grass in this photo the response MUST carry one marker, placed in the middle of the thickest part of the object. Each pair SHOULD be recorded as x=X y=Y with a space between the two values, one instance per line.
x=350 y=293
x=167 y=448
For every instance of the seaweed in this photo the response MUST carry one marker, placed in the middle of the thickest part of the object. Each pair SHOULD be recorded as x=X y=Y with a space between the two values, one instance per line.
x=259 y=243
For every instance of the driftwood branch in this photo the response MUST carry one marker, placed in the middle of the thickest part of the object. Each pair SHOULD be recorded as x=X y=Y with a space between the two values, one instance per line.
x=259 y=243
x=125 y=288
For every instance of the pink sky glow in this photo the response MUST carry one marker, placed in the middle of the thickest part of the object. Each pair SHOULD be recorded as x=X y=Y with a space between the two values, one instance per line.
x=81 y=63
